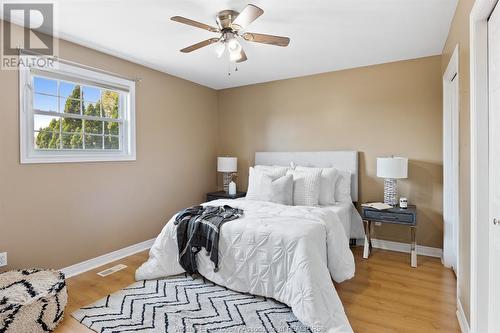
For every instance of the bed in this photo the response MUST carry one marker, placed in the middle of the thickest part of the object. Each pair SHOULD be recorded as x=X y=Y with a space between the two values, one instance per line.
x=289 y=253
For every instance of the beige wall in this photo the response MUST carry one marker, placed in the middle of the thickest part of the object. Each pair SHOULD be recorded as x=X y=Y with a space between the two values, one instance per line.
x=380 y=110
x=55 y=215
x=459 y=34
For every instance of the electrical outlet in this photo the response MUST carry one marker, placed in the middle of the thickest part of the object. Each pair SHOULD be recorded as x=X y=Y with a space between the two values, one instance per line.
x=3 y=259
x=378 y=224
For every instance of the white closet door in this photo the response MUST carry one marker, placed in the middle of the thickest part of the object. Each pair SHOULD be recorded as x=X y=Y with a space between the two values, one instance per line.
x=494 y=168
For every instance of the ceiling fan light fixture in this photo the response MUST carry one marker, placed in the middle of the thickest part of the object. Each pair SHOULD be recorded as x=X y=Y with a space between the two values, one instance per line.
x=233 y=45
x=234 y=56
x=234 y=48
x=220 y=49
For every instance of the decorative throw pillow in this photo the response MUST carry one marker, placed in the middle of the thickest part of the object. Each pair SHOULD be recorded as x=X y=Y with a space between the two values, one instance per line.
x=282 y=190
x=272 y=170
x=305 y=187
x=263 y=187
x=343 y=187
x=328 y=180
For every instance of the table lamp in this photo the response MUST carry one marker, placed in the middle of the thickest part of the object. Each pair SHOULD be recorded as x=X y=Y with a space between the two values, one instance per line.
x=392 y=169
x=228 y=166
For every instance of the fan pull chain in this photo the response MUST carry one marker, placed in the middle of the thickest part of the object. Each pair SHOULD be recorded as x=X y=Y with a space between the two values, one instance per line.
x=229 y=69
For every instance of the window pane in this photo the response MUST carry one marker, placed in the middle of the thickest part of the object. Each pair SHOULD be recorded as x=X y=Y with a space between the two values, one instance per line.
x=93 y=126
x=111 y=142
x=91 y=94
x=45 y=103
x=111 y=127
x=67 y=89
x=70 y=125
x=72 y=141
x=109 y=100
x=69 y=105
x=93 y=141
x=41 y=122
x=46 y=86
x=70 y=117
x=47 y=139
x=92 y=109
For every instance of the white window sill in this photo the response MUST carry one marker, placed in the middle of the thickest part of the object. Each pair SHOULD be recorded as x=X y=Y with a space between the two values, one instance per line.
x=76 y=158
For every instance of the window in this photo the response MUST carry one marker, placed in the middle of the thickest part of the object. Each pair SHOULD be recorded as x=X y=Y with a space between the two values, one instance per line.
x=72 y=114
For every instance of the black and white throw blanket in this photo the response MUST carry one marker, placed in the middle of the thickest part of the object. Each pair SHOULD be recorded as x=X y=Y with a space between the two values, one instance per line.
x=199 y=227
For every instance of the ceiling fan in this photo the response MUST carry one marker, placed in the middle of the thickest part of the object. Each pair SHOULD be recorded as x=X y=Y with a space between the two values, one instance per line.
x=230 y=25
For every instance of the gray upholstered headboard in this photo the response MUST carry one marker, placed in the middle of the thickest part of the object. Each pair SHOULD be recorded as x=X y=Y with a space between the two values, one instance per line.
x=343 y=160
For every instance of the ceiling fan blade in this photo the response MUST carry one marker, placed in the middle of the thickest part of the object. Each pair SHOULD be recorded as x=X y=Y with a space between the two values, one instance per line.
x=247 y=16
x=266 y=39
x=199 y=45
x=243 y=56
x=193 y=23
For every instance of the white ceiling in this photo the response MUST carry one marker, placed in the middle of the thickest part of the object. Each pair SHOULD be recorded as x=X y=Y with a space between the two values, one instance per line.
x=326 y=35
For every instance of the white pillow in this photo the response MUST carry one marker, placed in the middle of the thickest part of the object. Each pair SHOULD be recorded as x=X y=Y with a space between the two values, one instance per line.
x=282 y=190
x=343 y=187
x=305 y=187
x=272 y=170
x=263 y=187
x=328 y=180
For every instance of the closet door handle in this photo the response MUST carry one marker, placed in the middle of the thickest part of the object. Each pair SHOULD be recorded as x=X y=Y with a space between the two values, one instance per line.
x=496 y=221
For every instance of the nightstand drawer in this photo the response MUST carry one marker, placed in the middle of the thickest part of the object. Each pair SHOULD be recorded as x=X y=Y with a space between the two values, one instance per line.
x=386 y=216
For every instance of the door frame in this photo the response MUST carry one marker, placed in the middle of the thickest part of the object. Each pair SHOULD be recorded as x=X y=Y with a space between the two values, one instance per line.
x=451 y=151
x=479 y=164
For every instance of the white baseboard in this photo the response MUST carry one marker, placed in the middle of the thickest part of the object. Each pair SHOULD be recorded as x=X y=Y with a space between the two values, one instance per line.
x=462 y=321
x=403 y=247
x=90 y=264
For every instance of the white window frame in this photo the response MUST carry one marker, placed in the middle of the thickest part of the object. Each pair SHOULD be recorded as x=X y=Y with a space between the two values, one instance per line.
x=28 y=153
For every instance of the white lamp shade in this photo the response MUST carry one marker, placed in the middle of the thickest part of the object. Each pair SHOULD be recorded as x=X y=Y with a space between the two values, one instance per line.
x=227 y=164
x=392 y=167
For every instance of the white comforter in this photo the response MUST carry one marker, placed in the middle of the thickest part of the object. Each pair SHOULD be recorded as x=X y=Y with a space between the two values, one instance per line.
x=284 y=252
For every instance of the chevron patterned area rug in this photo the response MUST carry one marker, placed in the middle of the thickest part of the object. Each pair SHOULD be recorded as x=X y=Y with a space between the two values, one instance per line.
x=186 y=304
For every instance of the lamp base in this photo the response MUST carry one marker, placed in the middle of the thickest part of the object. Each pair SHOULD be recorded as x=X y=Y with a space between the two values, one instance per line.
x=391 y=191
x=227 y=176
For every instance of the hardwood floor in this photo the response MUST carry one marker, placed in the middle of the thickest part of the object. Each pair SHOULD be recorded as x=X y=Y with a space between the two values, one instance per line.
x=386 y=295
